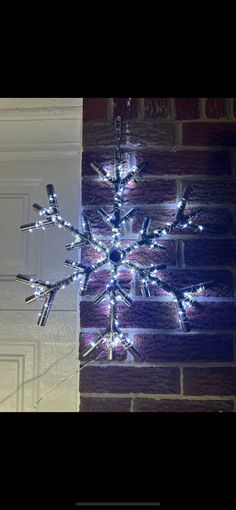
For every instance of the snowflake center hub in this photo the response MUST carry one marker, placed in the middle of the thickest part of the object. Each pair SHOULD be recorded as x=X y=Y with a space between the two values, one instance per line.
x=115 y=256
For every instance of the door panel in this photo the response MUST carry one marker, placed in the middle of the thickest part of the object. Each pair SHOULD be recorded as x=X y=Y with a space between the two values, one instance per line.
x=40 y=143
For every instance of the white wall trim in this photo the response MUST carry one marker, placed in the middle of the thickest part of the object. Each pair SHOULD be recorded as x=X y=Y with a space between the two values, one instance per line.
x=40 y=108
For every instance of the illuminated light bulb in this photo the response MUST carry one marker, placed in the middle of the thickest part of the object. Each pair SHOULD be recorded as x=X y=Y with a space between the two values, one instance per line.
x=31 y=279
x=190 y=222
x=43 y=227
x=30 y=230
x=63 y=286
x=59 y=226
x=200 y=228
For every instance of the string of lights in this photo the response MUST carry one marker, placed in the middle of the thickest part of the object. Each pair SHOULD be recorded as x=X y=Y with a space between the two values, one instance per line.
x=114 y=256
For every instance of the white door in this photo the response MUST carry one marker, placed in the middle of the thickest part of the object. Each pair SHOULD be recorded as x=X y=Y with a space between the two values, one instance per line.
x=40 y=143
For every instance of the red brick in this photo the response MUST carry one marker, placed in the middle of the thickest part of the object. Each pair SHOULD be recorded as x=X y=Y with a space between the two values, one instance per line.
x=104 y=405
x=184 y=347
x=145 y=133
x=121 y=108
x=187 y=108
x=205 y=252
x=121 y=379
x=147 y=256
x=102 y=277
x=182 y=406
x=212 y=192
x=215 y=221
x=150 y=192
x=143 y=192
x=210 y=381
x=101 y=156
x=142 y=314
x=93 y=315
x=158 y=216
x=95 y=108
x=213 y=315
x=185 y=162
x=222 y=287
x=96 y=193
x=89 y=255
x=216 y=107
x=157 y=107
x=162 y=163
x=98 y=225
x=210 y=133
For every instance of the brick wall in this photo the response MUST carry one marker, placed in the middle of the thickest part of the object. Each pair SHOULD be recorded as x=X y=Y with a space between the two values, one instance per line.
x=184 y=141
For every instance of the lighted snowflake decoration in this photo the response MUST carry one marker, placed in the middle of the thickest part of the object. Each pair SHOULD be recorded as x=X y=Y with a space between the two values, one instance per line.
x=115 y=256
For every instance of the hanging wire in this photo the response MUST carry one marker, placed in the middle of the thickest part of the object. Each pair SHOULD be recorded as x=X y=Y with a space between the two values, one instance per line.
x=67 y=378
